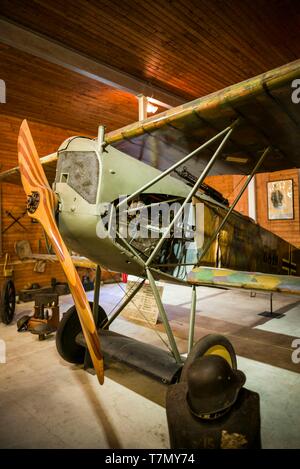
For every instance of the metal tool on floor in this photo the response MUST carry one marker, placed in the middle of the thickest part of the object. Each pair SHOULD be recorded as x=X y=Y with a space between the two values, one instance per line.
x=45 y=318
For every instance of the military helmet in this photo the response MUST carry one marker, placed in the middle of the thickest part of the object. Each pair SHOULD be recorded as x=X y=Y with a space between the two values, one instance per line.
x=22 y=323
x=213 y=386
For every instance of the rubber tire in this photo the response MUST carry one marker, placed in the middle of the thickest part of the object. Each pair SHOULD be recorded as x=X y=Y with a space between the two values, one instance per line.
x=68 y=328
x=209 y=345
x=5 y=315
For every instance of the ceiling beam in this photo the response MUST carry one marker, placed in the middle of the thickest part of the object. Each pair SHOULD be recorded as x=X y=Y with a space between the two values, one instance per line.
x=35 y=44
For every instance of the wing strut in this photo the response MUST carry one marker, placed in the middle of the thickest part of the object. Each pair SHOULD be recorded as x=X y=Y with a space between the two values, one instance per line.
x=236 y=200
x=193 y=191
x=182 y=161
x=225 y=134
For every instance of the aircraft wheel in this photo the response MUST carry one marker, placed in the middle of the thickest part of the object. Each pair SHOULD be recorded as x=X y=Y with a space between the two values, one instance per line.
x=8 y=302
x=68 y=328
x=211 y=344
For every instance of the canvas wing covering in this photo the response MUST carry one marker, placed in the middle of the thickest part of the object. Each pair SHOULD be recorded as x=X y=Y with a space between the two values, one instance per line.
x=267 y=116
x=227 y=278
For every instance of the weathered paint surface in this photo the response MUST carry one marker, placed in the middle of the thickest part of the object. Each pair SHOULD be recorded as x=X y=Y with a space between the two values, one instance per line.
x=245 y=280
x=214 y=101
x=244 y=245
x=270 y=118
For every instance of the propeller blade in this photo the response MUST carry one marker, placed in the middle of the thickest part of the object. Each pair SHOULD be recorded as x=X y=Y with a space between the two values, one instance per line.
x=41 y=205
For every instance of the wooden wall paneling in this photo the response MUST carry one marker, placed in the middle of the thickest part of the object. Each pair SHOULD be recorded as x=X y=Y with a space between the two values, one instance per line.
x=286 y=229
x=43 y=92
x=58 y=104
x=47 y=140
x=229 y=186
x=0 y=218
x=14 y=201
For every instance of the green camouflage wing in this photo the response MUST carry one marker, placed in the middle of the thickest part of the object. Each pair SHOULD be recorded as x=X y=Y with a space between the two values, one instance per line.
x=267 y=117
x=227 y=278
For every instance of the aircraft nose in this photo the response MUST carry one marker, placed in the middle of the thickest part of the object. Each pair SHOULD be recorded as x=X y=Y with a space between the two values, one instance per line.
x=79 y=167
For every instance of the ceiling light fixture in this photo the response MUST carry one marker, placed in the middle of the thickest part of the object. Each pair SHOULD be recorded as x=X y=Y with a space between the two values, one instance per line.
x=151 y=108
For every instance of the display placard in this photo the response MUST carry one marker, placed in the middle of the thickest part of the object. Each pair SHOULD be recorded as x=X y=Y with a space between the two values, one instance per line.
x=143 y=307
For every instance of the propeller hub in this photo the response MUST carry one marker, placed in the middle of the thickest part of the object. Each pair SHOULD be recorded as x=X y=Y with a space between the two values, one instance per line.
x=33 y=201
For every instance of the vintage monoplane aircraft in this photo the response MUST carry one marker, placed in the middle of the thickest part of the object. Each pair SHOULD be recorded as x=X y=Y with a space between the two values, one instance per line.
x=244 y=129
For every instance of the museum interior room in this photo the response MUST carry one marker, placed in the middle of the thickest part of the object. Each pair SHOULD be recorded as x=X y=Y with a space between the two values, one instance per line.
x=150 y=224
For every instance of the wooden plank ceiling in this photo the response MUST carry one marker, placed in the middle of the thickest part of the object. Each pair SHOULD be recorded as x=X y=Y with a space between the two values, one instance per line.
x=50 y=94
x=190 y=47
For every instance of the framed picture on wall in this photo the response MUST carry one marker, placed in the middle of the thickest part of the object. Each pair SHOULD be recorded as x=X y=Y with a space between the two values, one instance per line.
x=280 y=200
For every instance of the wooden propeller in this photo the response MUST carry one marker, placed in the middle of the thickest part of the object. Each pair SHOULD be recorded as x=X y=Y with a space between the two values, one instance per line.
x=41 y=205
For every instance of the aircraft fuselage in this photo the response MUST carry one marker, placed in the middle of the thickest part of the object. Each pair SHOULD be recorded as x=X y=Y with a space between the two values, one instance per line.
x=90 y=184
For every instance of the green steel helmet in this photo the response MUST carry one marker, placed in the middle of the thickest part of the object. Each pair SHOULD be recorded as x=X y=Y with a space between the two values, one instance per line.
x=213 y=386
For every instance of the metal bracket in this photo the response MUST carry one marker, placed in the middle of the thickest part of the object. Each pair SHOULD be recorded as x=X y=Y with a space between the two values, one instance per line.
x=270 y=314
